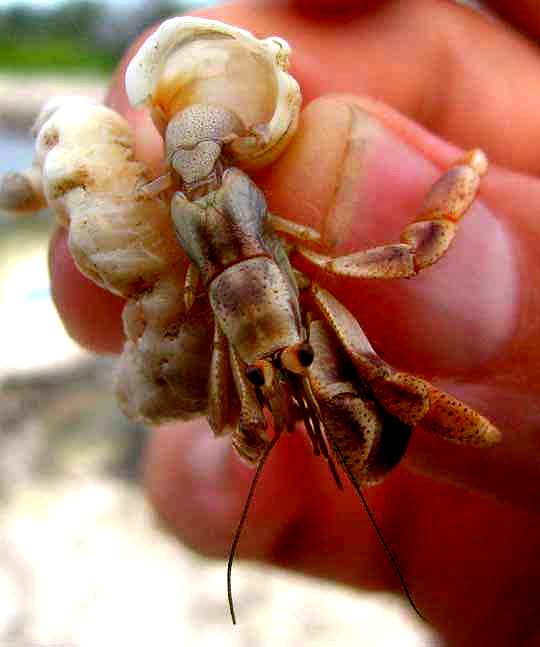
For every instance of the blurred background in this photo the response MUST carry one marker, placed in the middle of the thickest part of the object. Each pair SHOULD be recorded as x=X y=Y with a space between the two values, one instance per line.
x=82 y=560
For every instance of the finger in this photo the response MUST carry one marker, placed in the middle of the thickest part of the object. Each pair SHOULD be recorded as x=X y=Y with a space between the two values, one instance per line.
x=466 y=319
x=350 y=176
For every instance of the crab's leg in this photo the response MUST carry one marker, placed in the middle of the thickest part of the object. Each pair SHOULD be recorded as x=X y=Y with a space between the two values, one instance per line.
x=453 y=420
x=403 y=395
x=408 y=398
x=191 y=281
x=22 y=193
x=249 y=437
x=223 y=405
x=294 y=229
x=149 y=190
x=426 y=239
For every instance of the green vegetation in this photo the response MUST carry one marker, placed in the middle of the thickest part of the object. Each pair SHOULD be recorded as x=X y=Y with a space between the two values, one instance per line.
x=57 y=55
x=75 y=37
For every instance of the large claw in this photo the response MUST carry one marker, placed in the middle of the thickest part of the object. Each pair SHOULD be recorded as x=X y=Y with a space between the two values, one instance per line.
x=406 y=397
x=455 y=421
x=366 y=440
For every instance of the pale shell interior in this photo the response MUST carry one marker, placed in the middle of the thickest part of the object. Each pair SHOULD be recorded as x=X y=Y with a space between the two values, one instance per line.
x=218 y=72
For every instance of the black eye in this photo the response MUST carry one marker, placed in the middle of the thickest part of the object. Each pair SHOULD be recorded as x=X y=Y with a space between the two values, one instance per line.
x=255 y=375
x=305 y=354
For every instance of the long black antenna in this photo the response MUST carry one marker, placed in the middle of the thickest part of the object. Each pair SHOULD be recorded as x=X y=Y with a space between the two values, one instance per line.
x=243 y=517
x=391 y=557
x=311 y=416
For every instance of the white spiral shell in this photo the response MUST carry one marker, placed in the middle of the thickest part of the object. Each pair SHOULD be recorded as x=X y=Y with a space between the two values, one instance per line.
x=192 y=60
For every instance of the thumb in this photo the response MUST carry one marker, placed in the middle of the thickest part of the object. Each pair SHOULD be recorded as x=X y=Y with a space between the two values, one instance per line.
x=358 y=172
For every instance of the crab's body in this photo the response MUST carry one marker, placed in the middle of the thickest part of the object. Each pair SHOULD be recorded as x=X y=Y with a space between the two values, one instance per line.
x=242 y=265
x=242 y=330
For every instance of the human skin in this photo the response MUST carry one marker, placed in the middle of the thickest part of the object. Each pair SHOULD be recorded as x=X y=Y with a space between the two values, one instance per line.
x=462 y=523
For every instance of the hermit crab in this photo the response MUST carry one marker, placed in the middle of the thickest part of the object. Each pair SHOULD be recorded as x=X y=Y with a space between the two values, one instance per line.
x=242 y=331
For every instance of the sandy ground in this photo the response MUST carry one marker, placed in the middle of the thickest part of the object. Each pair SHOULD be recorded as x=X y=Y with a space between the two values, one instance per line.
x=82 y=561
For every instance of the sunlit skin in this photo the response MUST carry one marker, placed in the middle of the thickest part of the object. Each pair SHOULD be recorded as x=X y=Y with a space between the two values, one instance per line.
x=462 y=523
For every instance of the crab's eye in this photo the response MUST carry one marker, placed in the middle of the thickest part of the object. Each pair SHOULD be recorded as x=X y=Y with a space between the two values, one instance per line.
x=255 y=375
x=305 y=354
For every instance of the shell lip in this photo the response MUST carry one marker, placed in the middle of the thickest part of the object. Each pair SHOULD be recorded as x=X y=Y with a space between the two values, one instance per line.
x=141 y=79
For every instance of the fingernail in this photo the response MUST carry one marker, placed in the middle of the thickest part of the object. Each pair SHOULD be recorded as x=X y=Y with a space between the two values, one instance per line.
x=457 y=313
x=380 y=186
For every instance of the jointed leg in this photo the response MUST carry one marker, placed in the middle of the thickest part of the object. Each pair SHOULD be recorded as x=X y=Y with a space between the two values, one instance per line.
x=426 y=239
x=294 y=229
x=152 y=189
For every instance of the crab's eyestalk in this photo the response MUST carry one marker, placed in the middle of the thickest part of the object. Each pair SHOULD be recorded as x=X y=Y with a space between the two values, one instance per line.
x=297 y=358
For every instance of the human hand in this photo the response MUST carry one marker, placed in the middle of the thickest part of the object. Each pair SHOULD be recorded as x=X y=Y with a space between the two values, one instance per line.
x=462 y=523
